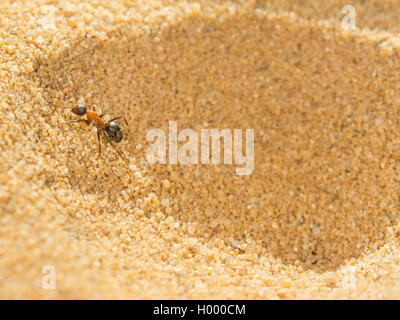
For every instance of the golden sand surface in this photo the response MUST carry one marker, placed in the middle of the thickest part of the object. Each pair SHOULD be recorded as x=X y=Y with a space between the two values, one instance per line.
x=318 y=218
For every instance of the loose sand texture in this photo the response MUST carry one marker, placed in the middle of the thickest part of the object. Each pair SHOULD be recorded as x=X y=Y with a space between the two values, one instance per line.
x=318 y=217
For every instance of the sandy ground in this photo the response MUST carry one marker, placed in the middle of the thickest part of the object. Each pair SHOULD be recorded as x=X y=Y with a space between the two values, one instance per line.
x=318 y=217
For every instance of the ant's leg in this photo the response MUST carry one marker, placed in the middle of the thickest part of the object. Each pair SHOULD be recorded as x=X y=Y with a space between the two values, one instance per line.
x=66 y=78
x=116 y=118
x=55 y=107
x=49 y=104
x=99 y=138
x=110 y=142
x=95 y=104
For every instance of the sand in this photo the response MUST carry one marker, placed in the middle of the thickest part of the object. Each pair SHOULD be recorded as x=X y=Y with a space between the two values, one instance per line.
x=317 y=219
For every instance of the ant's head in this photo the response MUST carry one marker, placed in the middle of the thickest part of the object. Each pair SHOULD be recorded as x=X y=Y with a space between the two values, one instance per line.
x=114 y=131
x=80 y=110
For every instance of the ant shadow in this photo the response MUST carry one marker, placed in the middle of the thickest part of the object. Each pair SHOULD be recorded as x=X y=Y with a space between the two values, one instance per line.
x=317 y=197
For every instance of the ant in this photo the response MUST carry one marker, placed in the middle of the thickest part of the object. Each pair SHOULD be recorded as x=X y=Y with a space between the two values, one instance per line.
x=111 y=130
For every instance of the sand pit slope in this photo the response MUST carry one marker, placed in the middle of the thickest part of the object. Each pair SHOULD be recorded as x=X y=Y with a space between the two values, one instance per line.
x=318 y=217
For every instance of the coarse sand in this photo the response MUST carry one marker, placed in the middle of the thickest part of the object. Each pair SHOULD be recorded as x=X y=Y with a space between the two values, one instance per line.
x=319 y=216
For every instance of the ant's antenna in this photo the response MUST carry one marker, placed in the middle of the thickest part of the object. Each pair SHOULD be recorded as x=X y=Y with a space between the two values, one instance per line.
x=66 y=78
